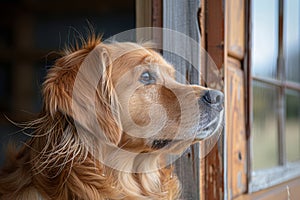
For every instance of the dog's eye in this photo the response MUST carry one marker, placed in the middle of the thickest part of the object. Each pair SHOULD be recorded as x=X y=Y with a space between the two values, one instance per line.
x=147 y=78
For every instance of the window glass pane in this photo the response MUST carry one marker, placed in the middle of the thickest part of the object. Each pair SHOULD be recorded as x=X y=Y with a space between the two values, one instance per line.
x=292 y=125
x=264 y=134
x=264 y=38
x=292 y=39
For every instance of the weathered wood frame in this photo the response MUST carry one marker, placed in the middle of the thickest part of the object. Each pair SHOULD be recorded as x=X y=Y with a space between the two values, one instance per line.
x=160 y=13
x=208 y=172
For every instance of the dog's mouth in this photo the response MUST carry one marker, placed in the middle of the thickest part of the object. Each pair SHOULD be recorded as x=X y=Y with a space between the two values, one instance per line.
x=159 y=144
x=203 y=132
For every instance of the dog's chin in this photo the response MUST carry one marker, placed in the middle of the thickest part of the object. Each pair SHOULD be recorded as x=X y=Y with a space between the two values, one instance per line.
x=203 y=132
x=215 y=126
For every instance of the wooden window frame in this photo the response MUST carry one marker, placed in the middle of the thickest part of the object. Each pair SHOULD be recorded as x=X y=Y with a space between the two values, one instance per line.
x=237 y=169
x=265 y=178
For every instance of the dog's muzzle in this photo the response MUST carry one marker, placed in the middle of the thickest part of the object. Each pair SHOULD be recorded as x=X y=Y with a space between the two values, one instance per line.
x=214 y=100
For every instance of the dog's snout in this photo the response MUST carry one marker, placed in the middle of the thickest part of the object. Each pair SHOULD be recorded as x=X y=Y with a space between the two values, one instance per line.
x=213 y=98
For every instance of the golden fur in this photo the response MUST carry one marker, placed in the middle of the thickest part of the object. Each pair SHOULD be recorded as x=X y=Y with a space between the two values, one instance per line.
x=61 y=162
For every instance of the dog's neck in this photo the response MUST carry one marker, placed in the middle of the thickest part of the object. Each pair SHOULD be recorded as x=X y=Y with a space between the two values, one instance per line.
x=65 y=169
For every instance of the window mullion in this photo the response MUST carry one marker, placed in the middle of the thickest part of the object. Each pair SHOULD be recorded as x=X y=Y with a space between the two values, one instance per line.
x=281 y=94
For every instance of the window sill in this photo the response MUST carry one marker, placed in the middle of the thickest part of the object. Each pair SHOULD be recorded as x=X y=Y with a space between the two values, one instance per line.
x=263 y=179
x=286 y=190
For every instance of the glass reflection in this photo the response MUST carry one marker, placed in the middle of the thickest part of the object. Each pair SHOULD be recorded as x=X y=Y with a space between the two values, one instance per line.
x=264 y=133
x=292 y=39
x=264 y=38
x=292 y=125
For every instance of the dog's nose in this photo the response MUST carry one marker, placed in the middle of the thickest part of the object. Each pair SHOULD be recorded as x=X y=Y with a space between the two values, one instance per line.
x=213 y=97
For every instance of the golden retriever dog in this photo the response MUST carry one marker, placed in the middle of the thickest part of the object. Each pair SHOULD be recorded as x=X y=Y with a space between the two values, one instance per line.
x=114 y=119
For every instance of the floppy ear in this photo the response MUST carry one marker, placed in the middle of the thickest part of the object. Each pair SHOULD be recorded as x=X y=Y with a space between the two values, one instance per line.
x=80 y=85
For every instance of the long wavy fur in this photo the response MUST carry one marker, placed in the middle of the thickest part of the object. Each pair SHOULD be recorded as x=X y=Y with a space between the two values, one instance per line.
x=58 y=163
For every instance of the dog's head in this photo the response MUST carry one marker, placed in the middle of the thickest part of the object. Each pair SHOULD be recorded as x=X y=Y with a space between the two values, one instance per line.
x=126 y=95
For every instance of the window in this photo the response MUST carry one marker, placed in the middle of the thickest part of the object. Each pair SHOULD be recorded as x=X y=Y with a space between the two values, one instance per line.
x=275 y=76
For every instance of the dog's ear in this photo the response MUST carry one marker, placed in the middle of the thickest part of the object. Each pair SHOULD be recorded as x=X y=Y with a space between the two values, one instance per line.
x=80 y=85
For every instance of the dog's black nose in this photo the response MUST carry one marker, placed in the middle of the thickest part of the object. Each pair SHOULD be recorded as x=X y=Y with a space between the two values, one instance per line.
x=213 y=97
